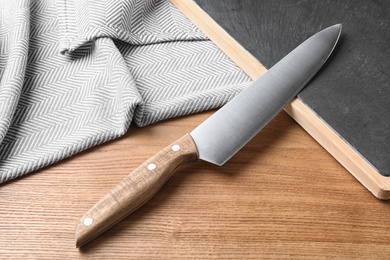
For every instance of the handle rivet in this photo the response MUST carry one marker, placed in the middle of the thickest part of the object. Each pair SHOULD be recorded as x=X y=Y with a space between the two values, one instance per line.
x=152 y=167
x=88 y=222
x=176 y=148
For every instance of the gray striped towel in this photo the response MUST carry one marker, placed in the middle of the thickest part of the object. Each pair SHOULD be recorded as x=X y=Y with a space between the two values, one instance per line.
x=76 y=73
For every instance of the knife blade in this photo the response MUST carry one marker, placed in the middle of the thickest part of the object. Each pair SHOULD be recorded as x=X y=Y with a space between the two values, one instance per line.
x=218 y=138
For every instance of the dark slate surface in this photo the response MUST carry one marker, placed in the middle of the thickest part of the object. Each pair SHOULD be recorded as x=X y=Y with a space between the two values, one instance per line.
x=352 y=92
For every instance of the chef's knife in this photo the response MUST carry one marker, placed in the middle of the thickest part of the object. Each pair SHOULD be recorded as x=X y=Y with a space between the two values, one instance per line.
x=218 y=138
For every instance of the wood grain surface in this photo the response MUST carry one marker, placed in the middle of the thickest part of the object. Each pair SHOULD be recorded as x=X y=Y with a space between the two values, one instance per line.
x=281 y=196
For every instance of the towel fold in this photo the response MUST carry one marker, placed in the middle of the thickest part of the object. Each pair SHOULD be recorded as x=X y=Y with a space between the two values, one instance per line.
x=77 y=73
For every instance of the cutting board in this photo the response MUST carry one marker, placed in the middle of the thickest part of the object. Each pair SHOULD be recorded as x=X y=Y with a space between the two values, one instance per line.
x=346 y=106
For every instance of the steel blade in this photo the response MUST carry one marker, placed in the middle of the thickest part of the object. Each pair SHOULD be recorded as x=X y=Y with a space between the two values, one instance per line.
x=231 y=127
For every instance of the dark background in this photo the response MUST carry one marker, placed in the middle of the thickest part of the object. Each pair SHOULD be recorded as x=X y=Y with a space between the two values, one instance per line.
x=352 y=92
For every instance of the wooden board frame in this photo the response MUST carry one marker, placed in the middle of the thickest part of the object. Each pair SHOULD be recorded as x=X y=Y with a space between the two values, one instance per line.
x=359 y=167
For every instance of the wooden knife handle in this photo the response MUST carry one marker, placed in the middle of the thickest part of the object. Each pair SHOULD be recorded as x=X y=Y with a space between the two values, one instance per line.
x=135 y=190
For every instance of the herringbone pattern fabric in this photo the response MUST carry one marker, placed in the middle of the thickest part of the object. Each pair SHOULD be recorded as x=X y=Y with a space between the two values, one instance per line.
x=74 y=74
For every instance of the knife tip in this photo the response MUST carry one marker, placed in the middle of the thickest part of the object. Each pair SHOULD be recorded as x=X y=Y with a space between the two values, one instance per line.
x=339 y=26
x=335 y=27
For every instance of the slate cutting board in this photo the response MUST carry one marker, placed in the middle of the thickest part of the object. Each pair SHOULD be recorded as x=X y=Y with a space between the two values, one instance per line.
x=346 y=107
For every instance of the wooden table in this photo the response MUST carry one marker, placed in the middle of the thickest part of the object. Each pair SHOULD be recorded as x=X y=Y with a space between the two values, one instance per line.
x=283 y=195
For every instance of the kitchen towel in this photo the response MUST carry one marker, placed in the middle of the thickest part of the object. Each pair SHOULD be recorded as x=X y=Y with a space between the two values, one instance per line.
x=77 y=73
